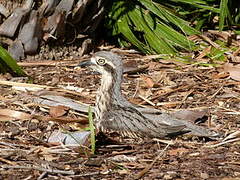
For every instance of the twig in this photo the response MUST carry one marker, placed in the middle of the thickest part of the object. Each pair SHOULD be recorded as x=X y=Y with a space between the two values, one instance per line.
x=211 y=97
x=26 y=85
x=40 y=169
x=145 y=170
x=171 y=91
x=10 y=144
x=207 y=39
x=222 y=143
x=7 y=161
x=232 y=111
x=86 y=174
x=146 y=100
x=137 y=88
x=42 y=175
x=184 y=98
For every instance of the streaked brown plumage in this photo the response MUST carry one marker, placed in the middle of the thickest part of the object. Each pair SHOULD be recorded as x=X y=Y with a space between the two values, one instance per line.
x=115 y=113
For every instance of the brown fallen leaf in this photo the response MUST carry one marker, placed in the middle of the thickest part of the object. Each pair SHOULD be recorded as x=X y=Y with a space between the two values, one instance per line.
x=178 y=151
x=234 y=71
x=220 y=75
x=58 y=111
x=8 y=113
x=130 y=65
x=149 y=82
x=5 y=118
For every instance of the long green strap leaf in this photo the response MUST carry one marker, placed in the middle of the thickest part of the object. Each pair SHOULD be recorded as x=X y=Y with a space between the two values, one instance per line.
x=169 y=17
x=223 y=13
x=159 y=45
x=125 y=29
x=10 y=63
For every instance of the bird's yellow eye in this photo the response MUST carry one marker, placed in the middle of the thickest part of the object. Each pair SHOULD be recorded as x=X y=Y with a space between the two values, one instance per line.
x=101 y=61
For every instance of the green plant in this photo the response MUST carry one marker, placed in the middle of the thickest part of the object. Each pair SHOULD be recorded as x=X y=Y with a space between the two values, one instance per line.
x=92 y=129
x=162 y=26
x=8 y=64
x=148 y=26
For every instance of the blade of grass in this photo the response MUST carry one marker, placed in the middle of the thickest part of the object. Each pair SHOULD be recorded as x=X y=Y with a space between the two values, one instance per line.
x=92 y=130
x=174 y=37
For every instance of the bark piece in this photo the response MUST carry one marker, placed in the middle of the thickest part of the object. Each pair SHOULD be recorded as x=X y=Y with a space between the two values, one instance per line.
x=30 y=34
x=4 y=11
x=9 y=26
x=86 y=47
x=16 y=50
x=79 y=10
x=55 y=26
x=65 y=5
x=92 y=19
x=48 y=7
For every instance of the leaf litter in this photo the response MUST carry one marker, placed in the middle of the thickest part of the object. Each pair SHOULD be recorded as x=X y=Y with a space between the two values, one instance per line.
x=40 y=127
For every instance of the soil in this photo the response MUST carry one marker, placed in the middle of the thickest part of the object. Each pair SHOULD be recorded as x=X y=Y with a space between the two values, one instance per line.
x=169 y=85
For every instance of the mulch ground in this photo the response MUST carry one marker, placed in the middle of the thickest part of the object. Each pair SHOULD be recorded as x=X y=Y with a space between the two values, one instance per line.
x=168 y=85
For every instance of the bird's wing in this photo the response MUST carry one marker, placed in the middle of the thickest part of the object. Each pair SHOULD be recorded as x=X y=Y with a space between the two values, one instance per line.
x=166 y=118
x=129 y=120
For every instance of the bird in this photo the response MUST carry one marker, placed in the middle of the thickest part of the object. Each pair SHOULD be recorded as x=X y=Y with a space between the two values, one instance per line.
x=114 y=113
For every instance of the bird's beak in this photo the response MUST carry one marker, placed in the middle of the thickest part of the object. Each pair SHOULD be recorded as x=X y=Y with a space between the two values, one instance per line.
x=85 y=63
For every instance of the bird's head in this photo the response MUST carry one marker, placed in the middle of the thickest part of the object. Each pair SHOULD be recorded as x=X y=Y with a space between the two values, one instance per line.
x=104 y=62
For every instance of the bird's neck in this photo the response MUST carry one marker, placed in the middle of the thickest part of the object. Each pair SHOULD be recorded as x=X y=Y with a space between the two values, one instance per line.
x=109 y=93
x=110 y=88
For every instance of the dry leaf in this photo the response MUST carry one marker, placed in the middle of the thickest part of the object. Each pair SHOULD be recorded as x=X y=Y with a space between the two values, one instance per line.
x=178 y=151
x=58 y=111
x=149 y=82
x=220 y=75
x=14 y=114
x=234 y=71
x=5 y=118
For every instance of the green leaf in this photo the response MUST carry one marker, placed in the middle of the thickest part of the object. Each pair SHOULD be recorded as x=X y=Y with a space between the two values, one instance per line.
x=127 y=32
x=92 y=130
x=169 y=17
x=199 y=4
x=223 y=13
x=142 y=21
x=9 y=64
